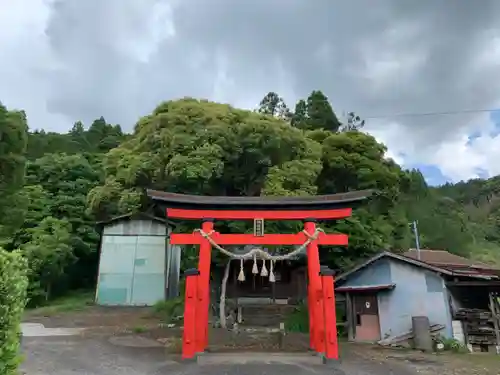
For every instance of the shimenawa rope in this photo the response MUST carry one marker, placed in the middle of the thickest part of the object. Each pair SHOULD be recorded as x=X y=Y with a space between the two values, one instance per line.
x=262 y=254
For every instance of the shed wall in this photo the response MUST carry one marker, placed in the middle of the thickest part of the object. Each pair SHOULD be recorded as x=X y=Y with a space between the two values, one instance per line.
x=134 y=268
x=135 y=227
x=377 y=273
x=417 y=292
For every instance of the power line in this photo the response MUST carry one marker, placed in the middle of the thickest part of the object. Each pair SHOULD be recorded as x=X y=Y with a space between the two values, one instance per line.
x=443 y=113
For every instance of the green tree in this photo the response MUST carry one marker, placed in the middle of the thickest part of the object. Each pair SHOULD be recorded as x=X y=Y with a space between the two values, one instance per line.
x=354 y=123
x=41 y=143
x=100 y=138
x=272 y=104
x=320 y=114
x=78 y=136
x=77 y=130
x=39 y=204
x=103 y=135
x=49 y=253
x=299 y=117
x=356 y=161
x=198 y=147
x=66 y=180
x=13 y=138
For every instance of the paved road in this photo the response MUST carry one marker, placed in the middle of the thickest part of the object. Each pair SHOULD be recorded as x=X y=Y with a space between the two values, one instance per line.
x=74 y=355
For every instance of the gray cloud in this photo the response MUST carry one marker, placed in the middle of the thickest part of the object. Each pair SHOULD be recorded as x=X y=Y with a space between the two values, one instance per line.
x=119 y=58
x=374 y=57
x=392 y=57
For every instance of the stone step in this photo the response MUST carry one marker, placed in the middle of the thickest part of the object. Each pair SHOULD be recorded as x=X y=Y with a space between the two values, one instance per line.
x=271 y=308
x=301 y=359
x=271 y=322
x=265 y=315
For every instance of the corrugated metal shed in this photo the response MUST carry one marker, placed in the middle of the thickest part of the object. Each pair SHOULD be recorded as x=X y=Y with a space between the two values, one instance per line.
x=137 y=267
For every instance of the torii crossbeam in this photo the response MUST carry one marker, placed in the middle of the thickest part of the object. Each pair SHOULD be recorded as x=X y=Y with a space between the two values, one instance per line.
x=323 y=334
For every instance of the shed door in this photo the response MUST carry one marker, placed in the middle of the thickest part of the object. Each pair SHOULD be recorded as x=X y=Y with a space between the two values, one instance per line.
x=367 y=320
x=116 y=270
x=148 y=285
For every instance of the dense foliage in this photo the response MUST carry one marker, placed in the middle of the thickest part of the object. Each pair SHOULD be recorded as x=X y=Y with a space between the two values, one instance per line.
x=13 y=284
x=54 y=187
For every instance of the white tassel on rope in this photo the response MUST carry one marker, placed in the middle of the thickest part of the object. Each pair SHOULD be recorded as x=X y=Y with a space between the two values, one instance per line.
x=263 y=271
x=241 y=276
x=255 y=268
x=272 y=279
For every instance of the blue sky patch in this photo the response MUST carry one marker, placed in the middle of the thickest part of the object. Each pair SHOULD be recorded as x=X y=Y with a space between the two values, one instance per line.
x=482 y=173
x=495 y=118
x=432 y=174
x=473 y=137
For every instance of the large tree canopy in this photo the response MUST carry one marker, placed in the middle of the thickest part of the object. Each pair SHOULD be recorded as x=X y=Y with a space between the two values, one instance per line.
x=199 y=147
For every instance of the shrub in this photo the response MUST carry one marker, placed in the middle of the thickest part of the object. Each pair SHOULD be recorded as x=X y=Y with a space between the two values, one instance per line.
x=13 y=286
x=172 y=308
x=298 y=321
x=169 y=309
x=451 y=344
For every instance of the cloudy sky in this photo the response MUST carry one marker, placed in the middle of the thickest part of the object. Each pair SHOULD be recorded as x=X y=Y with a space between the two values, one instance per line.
x=68 y=60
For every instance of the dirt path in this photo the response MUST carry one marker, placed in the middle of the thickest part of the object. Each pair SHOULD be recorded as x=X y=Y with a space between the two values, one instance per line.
x=95 y=316
x=430 y=364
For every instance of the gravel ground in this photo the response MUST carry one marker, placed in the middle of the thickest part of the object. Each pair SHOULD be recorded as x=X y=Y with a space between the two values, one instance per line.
x=85 y=356
x=111 y=344
x=77 y=355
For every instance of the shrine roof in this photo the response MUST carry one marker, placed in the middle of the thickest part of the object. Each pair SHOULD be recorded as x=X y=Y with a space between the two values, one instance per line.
x=318 y=202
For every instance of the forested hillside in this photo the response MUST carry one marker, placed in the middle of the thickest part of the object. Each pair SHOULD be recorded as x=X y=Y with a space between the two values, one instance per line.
x=54 y=187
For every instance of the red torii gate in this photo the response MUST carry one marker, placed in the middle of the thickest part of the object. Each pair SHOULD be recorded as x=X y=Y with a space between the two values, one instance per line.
x=321 y=297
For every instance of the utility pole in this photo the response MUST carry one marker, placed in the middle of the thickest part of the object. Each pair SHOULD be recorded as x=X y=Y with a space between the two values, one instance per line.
x=417 y=242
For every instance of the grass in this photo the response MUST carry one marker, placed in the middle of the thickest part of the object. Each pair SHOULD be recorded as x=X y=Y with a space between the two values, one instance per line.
x=298 y=321
x=72 y=302
x=139 y=329
x=168 y=309
x=486 y=359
